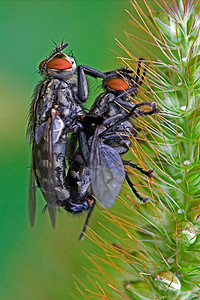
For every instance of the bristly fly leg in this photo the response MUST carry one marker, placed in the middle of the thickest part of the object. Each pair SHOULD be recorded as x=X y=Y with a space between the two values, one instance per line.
x=83 y=143
x=90 y=71
x=134 y=190
x=138 y=72
x=148 y=173
x=132 y=113
x=81 y=237
x=82 y=83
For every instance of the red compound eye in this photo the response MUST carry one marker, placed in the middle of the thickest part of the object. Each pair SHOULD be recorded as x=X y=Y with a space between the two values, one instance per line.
x=59 y=64
x=117 y=84
x=40 y=65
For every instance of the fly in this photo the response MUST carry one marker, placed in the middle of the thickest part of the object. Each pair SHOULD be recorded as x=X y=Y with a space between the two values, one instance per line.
x=55 y=111
x=107 y=132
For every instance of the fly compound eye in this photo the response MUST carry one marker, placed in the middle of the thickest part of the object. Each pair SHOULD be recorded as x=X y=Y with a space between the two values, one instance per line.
x=117 y=84
x=41 y=64
x=59 y=64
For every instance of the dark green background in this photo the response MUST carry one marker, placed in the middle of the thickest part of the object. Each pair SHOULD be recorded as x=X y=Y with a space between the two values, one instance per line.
x=38 y=263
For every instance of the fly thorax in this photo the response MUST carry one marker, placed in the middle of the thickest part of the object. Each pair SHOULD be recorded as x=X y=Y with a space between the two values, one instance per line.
x=109 y=97
x=113 y=109
x=65 y=95
x=101 y=105
x=77 y=110
x=51 y=91
x=48 y=99
x=73 y=82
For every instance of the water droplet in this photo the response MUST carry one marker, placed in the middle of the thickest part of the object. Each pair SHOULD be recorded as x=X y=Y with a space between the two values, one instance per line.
x=184 y=107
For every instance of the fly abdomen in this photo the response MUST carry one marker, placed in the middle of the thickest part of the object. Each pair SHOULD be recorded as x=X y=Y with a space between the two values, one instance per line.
x=76 y=206
x=59 y=154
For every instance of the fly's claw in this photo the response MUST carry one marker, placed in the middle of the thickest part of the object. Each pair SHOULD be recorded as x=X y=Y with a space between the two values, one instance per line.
x=155 y=110
x=144 y=200
x=150 y=173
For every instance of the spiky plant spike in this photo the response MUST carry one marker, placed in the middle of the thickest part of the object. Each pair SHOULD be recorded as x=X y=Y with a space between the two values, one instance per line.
x=154 y=250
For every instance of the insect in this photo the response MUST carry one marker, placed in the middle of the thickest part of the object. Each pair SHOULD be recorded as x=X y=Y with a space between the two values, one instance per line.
x=55 y=111
x=107 y=131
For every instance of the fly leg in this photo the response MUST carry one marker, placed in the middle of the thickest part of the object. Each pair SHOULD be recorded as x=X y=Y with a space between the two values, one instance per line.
x=90 y=71
x=124 y=104
x=138 y=72
x=148 y=173
x=134 y=190
x=138 y=113
x=81 y=237
x=119 y=140
x=82 y=82
x=126 y=93
x=83 y=144
x=130 y=107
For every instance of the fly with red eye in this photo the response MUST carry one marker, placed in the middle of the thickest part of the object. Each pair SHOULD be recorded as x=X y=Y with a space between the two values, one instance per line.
x=56 y=110
x=58 y=63
x=107 y=132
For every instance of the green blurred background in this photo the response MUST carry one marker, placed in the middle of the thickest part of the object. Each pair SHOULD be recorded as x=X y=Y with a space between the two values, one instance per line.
x=38 y=263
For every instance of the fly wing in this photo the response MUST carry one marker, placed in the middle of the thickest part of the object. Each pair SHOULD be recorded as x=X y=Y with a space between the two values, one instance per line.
x=32 y=199
x=44 y=168
x=50 y=192
x=107 y=172
x=29 y=134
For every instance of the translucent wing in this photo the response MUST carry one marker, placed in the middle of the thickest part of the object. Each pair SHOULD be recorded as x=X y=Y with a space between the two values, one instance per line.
x=40 y=131
x=58 y=126
x=107 y=171
x=50 y=194
x=43 y=164
x=29 y=133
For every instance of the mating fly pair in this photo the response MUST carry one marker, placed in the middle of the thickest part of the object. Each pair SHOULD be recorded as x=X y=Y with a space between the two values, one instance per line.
x=96 y=167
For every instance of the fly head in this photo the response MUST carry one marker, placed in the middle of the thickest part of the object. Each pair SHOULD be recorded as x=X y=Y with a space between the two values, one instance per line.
x=58 y=64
